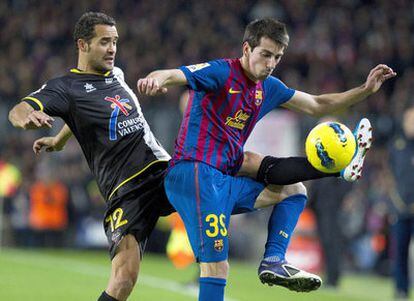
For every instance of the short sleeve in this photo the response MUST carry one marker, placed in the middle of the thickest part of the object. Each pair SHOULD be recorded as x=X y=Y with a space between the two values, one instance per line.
x=208 y=76
x=276 y=93
x=50 y=98
x=118 y=73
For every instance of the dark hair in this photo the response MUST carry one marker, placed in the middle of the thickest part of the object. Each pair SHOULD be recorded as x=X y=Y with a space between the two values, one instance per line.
x=85 y=27
x=267 y=27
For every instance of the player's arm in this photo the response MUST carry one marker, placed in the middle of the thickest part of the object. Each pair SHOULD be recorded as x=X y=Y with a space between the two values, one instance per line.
x=157 y=81
x=319 y=105
x=24 y=116
x=53 y=144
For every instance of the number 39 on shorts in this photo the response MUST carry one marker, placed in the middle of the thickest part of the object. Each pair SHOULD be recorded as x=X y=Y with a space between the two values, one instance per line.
x=217 y=224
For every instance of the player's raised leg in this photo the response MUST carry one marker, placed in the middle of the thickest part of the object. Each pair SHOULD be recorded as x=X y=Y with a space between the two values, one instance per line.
x=363 y=136
x=289 y=202
x=290 y=170
x=124 y=270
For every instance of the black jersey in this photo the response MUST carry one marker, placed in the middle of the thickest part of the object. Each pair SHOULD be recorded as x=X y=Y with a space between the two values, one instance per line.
x=106 y=118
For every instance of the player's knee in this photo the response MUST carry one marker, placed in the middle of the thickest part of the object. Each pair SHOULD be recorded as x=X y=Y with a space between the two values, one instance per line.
x=297 y=188
x=251 y=164
x=214 y=269
x=124 y=286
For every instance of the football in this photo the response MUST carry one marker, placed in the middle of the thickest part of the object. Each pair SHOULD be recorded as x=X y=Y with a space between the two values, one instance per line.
x=330 y=147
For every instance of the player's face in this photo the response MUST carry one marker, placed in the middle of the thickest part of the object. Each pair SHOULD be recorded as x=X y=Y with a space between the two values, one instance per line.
x=408 y=123
x=264 y=58
x=102 y=49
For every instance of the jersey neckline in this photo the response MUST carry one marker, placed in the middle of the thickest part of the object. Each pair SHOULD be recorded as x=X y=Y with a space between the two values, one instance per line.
x=78 y=71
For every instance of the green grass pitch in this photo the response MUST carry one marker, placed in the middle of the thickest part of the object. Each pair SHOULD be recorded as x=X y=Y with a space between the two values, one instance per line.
x=28 y=275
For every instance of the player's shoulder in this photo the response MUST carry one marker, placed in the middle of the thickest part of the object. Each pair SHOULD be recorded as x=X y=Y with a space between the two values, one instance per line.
x=58 y=83
x=216 y=64
x=273 y=82
x=117 y=72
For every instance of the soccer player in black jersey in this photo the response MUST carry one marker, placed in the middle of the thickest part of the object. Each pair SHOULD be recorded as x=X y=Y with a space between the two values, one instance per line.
x=127 y=161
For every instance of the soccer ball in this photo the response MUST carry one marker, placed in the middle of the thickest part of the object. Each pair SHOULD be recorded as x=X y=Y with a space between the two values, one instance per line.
x=330 y=147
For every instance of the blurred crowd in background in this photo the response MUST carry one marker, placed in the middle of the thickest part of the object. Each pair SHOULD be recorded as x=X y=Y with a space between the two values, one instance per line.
x=333 y=46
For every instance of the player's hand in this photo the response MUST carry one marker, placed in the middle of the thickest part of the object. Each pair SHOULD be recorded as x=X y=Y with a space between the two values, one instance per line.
x=37 y=120
x=377 y=76
x=150 y=86
x=49 y=144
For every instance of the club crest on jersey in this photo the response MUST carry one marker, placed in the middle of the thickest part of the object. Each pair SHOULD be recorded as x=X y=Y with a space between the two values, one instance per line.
x=258 y=98
x=218 y=245
x=117 y=105
x=238 y=121
x=89 y=88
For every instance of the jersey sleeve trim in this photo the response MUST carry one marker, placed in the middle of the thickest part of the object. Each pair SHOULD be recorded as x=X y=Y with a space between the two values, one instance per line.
x=190 y=80
x=32 y=100
x=133 y=176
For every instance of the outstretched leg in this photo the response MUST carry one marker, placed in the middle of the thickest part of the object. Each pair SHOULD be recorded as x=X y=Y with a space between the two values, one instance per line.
x=124 y=271
x=290 y=170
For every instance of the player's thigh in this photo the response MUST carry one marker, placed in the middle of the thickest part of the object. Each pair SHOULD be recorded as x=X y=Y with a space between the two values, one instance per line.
x=274 y=194
x=200 y=193
x=251 y=164
x=244 y=192
x=135 y=212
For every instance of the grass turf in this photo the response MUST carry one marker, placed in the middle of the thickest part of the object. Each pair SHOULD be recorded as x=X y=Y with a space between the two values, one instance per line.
x=27 y=275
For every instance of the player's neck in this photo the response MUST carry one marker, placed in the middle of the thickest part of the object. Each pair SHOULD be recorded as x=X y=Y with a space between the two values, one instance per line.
x=245 y=66
x=85 y=67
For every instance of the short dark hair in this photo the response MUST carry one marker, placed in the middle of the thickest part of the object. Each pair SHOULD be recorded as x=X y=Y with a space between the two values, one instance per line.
x=267 y=27
x=85 y=27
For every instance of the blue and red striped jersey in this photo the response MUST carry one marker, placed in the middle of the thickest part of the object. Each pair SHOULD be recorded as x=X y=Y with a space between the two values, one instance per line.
x=223 y=107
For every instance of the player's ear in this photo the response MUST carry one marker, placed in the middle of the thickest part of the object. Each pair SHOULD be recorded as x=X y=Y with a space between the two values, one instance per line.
x=83 y=45
x=246 y=48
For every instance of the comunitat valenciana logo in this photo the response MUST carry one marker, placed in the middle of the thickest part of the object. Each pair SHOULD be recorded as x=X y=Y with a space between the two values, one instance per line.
x=118 y=105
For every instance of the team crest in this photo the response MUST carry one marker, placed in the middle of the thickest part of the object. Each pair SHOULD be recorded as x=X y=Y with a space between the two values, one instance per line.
x=117 y=105
x=258 y=98
x=116 y=236
x=218 y=245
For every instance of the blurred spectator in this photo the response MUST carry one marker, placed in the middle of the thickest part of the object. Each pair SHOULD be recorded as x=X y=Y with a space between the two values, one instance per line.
x=327 y=197
x=48 y=216
x=402 y=166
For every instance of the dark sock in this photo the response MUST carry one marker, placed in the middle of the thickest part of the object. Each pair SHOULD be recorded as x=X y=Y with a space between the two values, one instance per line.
x=106 y=297
x=290 y=170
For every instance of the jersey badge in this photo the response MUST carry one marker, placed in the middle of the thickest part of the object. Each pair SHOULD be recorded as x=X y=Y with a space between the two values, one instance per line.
x=258 y=98
x=89 y=88
x=117 y=105
x=218 y=245
x=196 y=67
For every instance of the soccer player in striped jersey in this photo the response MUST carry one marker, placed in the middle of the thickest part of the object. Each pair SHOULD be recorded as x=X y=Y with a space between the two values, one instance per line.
x=227 y=98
